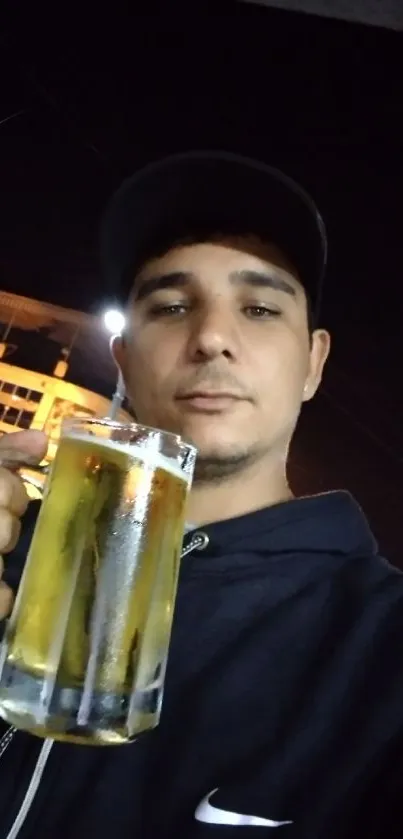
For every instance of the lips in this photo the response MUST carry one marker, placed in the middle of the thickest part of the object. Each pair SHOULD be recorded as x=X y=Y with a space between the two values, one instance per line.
x=209 y=394
x=210 y=402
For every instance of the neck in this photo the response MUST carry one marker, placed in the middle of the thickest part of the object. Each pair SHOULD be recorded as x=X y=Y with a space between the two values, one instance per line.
x=258 y=486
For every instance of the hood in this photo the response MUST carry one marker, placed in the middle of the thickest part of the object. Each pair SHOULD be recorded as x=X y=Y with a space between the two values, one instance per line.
x=331 y=523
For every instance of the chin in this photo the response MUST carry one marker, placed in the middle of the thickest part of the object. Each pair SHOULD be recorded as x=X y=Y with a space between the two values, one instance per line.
x=214 y=446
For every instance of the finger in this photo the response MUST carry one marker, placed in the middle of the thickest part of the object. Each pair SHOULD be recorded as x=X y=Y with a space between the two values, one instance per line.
x=24 y=445
x=13 y=495
x=10 y=527
x=6 y=600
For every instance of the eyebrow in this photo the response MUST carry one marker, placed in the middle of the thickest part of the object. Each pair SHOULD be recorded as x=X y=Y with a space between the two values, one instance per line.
x=176 y=279
x=180 y=279
x=261 y=279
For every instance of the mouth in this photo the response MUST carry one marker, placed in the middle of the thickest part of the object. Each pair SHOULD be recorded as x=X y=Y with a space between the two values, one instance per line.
x=211 y=402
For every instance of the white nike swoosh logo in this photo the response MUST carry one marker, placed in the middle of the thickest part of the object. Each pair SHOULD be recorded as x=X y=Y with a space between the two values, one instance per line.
x=213 y=815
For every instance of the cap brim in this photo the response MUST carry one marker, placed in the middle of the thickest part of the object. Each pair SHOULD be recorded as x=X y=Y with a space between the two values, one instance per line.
x=200 y=193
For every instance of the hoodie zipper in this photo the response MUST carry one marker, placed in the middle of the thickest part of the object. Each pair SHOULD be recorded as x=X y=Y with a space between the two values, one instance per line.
x=197 y=542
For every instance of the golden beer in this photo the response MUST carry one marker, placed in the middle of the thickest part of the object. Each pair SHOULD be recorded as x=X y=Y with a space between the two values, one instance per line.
x=84 y=653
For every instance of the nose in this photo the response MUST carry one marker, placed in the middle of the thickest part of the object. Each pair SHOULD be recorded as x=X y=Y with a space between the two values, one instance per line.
x=214 y=334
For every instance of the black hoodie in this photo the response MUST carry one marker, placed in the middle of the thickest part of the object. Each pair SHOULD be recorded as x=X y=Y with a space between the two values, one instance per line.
x=283 y=708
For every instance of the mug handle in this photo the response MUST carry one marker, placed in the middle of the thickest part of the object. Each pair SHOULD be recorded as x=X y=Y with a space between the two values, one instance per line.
x=35 y=482
x=10 y=459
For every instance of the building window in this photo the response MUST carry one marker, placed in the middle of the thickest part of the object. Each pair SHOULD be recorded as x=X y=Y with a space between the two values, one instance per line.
x=34 y=395
x=20 y=392
x=25 y=419
x=16 y=416
x=7 y=387
x=18 y=404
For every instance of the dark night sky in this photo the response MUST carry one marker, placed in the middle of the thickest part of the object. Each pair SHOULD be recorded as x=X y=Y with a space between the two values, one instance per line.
x=319 y=98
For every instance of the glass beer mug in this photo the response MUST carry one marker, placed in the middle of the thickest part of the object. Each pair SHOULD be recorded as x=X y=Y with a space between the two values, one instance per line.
x=84 y=653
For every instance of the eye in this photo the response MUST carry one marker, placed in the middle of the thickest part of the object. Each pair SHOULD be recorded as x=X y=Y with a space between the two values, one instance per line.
x=262 y=312
x=167 y=309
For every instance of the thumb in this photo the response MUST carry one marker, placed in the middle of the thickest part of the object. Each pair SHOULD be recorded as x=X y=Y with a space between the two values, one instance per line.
x=30 y=446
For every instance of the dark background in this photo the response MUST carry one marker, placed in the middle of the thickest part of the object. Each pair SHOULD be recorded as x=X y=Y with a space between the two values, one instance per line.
x=96 y=98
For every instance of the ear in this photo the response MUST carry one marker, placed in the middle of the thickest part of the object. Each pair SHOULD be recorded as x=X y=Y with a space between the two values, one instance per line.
x=320 y=349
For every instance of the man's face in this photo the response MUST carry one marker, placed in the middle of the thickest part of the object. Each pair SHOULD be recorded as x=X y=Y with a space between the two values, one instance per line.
x=217 y=350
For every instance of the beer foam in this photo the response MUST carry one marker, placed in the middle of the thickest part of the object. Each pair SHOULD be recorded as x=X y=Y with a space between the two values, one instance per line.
x=149 y=458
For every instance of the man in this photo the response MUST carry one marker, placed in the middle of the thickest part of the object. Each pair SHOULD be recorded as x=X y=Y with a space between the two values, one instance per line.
x=283 y=707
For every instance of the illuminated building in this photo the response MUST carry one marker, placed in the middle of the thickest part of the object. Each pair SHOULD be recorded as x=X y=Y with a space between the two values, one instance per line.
x=54 y=363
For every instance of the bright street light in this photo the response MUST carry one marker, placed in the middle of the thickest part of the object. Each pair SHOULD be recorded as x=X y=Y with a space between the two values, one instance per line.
x=114 y=321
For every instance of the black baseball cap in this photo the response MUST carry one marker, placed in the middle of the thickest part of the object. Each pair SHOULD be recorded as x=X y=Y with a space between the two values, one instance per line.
x=201 y=193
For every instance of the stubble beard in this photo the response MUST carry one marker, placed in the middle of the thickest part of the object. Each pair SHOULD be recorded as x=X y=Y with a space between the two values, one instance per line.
x=215 y=469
